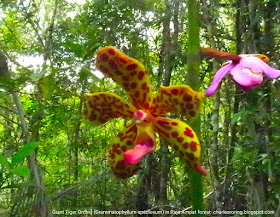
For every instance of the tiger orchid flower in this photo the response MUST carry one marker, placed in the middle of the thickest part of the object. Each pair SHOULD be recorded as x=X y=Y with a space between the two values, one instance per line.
x=137 y=139
x=247 y=70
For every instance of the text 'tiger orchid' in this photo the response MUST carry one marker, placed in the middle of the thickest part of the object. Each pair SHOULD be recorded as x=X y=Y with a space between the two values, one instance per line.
x=146 y=110
x=246 y=69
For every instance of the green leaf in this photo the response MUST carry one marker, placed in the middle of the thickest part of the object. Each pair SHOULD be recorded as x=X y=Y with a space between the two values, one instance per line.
x=4 y=162
x=6 y=81
x=1 y=177
x=20 y=185
x=21 y=170
x=235 y=117
x=37 y=76
x=23 y=152
x=47 y=86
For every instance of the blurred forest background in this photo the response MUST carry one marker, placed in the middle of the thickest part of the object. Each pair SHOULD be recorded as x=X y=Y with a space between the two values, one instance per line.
x=51 y=45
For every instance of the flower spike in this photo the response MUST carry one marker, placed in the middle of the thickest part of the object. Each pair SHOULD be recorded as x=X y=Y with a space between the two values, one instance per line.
x=209 y=52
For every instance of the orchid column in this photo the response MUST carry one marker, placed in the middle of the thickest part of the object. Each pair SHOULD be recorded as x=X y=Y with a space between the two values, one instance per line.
x=194 y=81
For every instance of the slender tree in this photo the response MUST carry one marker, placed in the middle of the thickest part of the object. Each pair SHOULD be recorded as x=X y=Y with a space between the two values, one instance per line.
x=193 y=80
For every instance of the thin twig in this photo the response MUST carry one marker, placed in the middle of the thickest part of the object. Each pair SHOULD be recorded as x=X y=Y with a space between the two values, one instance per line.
x=34 y=27
x=48 y=41
x=11 y=31
x=72 y=189
x=15 y=62
x=4 y=116
x=51 y=26
x=8 y=109
x=6 y=126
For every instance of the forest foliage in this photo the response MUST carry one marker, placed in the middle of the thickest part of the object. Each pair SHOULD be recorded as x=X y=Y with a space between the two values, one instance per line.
x=50 y=159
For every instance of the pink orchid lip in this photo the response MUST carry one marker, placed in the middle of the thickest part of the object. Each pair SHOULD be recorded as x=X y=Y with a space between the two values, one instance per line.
x=246 y=77
x=145 y=141
x=267 y=70
x=133 y=156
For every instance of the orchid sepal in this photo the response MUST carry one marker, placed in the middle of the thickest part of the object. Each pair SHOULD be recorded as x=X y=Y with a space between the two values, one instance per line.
x=128 y=72
x=123 y=142
x=180 y=99
x=183 y=141
x=102 y=107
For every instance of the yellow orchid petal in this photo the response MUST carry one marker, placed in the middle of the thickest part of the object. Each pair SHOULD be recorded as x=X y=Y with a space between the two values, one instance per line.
x=183 y=141
x=102 y=107
x=121 y=143
x=128 y=72
x=177 y=99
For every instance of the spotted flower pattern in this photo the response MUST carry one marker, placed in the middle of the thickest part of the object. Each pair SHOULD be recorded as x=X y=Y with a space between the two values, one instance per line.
x=145 y=109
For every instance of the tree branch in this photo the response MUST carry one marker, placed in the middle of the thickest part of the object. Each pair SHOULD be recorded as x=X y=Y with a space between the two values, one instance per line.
x=4 y=116
x=73 y=189
x=30 y=21
x=15 y=62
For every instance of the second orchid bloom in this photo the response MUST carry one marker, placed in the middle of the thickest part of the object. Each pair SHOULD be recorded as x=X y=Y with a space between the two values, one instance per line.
x=137 y=139
x=247 y=70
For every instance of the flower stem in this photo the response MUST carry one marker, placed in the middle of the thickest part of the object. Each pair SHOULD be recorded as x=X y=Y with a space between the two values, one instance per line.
x=194 y=81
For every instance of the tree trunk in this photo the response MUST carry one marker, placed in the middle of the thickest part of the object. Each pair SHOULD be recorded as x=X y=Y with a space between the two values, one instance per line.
x=227 y=192
x=194 y=81
x=210 y=26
